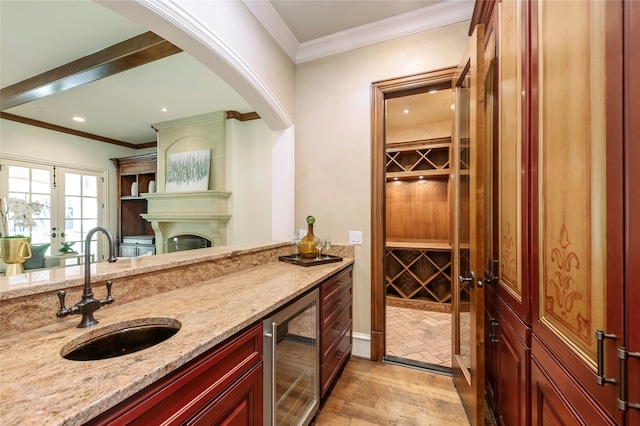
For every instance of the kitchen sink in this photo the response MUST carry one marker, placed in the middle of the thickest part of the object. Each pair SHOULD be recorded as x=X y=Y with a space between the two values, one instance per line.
x=120 y=339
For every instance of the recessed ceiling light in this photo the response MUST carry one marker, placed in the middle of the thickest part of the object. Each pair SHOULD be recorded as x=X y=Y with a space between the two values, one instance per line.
x=406 y=111
x=165 y=109
x=395 y=178
x=421 y=177
x=433 y=91
x=79 y=119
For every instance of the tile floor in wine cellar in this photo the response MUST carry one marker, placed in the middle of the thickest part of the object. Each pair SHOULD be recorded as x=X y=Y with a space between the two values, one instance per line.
x=412 y=334
x=420 y=335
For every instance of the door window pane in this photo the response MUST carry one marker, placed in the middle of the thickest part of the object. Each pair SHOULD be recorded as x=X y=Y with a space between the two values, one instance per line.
x=40 y=181
x=89 y=208
x=89 y=186
x=72 y=184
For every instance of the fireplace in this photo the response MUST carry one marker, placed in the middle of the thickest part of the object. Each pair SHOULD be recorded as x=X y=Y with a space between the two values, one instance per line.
x=187 y=242
x=200 y=214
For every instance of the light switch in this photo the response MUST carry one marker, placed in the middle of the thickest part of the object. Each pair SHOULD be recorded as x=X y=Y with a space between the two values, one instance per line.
x=355 y=237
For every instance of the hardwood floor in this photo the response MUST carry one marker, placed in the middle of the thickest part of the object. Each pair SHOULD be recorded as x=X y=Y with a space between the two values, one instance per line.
x=369 y=393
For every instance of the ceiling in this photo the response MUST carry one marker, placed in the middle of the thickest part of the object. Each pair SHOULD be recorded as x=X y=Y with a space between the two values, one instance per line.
x=123 y=106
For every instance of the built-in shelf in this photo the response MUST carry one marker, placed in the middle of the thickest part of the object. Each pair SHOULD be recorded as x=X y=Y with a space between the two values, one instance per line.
x=139 y=169
x=414 y=159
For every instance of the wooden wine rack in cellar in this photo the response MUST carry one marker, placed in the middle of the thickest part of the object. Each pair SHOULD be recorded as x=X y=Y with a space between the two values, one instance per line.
x=419 y=277
x=418 y=225
x=415 y=159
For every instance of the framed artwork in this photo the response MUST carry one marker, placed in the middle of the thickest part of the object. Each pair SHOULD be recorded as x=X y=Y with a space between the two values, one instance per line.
x=188 y=171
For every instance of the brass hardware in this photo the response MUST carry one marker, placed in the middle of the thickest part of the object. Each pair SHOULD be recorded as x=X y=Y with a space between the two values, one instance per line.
x=623 y=355
x=601 y=380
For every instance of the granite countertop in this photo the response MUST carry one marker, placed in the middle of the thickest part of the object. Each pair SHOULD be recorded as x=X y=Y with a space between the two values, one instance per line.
x=38 y=386
x=53 y=279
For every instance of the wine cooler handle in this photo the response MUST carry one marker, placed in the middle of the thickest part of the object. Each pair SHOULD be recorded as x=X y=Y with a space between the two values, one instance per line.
x=274 y=330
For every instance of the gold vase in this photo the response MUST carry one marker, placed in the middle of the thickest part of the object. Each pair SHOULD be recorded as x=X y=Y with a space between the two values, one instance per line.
x=14 y=252
x=307 y=246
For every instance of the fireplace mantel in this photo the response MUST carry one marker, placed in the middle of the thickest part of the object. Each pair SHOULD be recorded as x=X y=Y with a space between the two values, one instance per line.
x=202 y=213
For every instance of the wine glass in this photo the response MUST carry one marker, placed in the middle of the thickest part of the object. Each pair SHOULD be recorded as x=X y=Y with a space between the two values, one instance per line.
x=319 y=240
x=295 y=241
x=327 y=243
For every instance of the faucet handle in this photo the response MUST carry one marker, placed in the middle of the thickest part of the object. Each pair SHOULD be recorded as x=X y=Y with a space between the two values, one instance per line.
x=110 y=299
x=63 y=312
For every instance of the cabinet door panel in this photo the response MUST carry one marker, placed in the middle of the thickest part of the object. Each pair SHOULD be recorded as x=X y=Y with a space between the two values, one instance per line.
x=511 y=285
x=241 y=405
x=513 y=361
x=572 y=179
x=577 y=209
x=183 y=393
x=632 y=201
x=556 y=393
x=549 y=408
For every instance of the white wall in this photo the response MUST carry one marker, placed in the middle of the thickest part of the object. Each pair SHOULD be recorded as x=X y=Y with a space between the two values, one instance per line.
x=228 y=39
x=29 y=143
x=333 y=137
x=249 y=180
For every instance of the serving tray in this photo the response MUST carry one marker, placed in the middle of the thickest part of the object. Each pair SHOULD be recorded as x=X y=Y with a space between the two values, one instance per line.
x=310 y=262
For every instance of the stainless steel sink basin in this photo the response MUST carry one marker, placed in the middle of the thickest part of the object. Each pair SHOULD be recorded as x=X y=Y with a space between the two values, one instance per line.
x=120 y=339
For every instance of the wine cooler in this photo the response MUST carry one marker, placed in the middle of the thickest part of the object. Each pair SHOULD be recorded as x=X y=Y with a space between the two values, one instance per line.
x=292 y=356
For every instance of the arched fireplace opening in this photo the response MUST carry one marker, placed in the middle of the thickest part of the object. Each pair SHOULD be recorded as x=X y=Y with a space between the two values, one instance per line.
x=187 y=242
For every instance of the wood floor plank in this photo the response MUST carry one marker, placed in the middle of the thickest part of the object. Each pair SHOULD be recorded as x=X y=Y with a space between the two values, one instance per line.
x=376 y=394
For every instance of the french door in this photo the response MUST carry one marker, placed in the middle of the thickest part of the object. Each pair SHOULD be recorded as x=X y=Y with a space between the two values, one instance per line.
x=73 y=201
x=468 y=176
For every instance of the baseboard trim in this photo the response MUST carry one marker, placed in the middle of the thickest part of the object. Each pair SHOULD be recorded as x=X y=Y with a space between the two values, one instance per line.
x=361 y=345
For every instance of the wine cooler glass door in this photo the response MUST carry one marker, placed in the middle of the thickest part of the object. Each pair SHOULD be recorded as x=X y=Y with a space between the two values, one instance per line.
x=292 y=361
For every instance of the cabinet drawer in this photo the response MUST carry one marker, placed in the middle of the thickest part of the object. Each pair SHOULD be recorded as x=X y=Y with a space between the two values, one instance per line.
x=334 y=285
x=180 y=395
x=334 y=361
x=329 y=312
x=334 y=330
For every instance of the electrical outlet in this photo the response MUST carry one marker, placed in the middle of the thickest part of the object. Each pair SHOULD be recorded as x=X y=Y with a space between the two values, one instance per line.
x=355 y=237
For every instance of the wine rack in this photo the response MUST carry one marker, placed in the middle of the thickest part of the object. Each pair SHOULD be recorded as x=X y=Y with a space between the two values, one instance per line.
x=417 y=159
x=419 y=277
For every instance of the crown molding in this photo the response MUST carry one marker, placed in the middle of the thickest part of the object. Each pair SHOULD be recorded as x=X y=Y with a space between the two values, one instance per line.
x=266 y=14
x=441 y=14
x=427 y=18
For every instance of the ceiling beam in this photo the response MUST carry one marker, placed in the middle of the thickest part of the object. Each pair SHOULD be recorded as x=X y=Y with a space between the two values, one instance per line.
x=131 y=53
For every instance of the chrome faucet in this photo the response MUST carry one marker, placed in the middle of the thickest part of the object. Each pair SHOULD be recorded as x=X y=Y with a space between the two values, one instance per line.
x=88 y=305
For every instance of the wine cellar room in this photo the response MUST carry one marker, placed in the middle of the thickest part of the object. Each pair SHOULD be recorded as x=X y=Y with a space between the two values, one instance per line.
x=418 y=255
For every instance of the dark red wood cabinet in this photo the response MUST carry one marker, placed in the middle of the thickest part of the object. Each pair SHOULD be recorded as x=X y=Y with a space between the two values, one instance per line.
x=335 y=327
x=222 y=386
x=562 y=106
